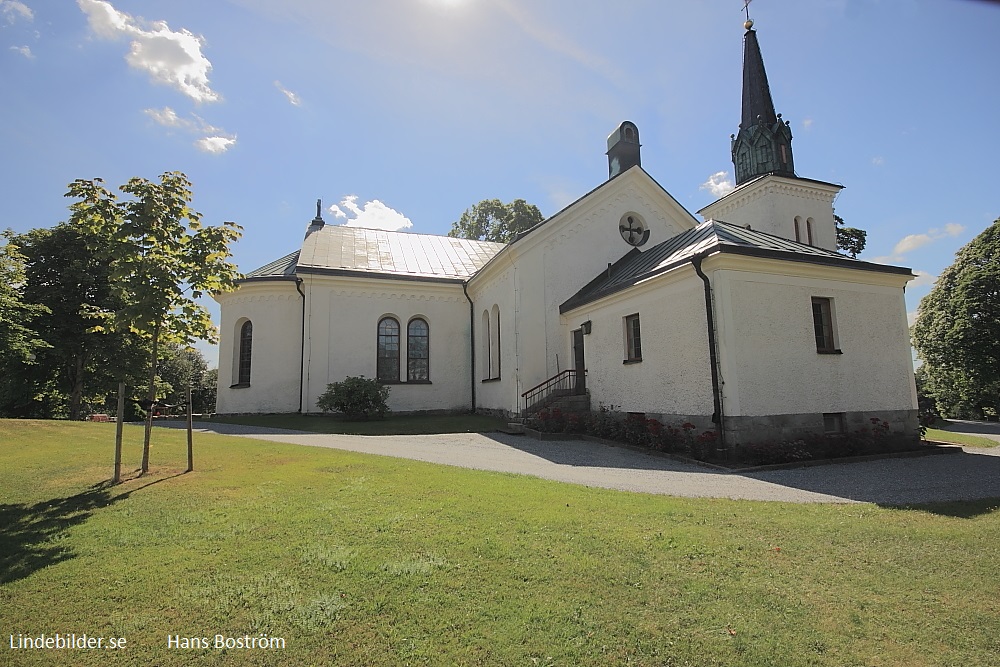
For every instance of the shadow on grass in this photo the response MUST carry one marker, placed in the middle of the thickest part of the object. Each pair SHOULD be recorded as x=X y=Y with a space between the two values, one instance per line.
x=32 y=536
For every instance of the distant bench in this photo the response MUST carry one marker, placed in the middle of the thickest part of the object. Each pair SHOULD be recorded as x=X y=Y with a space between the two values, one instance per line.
x=100 y=418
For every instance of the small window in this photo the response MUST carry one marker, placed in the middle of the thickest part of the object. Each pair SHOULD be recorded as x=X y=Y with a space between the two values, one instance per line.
x=798 y=229
x=809 y=231
x=833 y=423
x=633 y=339
x=387 y=365
x=418 y=351
x=822 y=309
x=246 y=351
x=487 y=342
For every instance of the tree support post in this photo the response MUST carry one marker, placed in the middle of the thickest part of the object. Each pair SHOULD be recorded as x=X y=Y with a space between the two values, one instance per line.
x=119 y=425
x=190 y=429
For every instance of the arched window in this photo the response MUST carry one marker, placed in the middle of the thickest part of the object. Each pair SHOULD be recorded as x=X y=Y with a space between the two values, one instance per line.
x=495 y=340
x=387 y=366
x=246 y=349
x=485 y=335
x=798 y=230
x=418 y=367
x=809 y=231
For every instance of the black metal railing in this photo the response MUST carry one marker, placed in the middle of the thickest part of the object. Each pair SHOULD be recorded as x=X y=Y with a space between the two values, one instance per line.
x=570 y=381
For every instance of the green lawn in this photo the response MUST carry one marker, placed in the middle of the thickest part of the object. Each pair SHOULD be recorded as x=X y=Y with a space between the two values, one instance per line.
x=944 y=435
x=392 y=425
x=366 y=560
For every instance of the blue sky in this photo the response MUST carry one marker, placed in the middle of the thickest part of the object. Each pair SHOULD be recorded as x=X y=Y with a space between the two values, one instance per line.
x=403 y=113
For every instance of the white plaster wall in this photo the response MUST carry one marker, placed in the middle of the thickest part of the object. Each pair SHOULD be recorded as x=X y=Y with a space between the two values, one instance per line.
x=342 y=320
x=497 y=289
x=769 y=359
x=551 y=264
x=275 y=309
x=674 y=376
x=771 y=205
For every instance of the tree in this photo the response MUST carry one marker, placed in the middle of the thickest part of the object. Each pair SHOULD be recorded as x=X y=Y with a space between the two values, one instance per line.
x=492 y=220
x=65 y=274
x=182 y=367
x=19 y=342
x=850 y=239
x=957 y=331
x=161 y=260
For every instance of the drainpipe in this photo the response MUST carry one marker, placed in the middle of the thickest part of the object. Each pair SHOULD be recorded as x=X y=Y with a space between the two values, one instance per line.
x=718 y=417
x=472 y=341
x=302 y=342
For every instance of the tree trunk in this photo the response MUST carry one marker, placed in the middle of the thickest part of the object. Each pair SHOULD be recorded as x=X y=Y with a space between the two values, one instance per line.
x=76 y=394
x=151 y=398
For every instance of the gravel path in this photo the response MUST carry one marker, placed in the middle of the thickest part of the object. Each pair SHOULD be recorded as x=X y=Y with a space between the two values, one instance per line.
x=972 y=474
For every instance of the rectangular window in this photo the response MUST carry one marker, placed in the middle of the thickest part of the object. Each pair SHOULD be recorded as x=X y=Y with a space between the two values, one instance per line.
x=822 y=308
x=833 y=423
x=633 y=339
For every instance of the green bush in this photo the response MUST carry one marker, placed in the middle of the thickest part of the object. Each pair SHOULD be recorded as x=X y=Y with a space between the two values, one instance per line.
x=356 y=397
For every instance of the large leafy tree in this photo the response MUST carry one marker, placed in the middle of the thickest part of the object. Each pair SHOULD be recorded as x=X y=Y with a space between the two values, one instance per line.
x=957 y=331
x=161 y=258
x=19 y=341
x=66 y=275
x=850 y=239
x=492 y=220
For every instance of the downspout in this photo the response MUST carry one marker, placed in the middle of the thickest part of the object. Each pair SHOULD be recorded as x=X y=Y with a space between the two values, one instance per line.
x=302 y=342
x=719 y=417
x=472 y=341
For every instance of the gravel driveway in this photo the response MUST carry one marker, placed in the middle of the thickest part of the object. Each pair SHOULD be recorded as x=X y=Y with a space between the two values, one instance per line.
x=972 y=474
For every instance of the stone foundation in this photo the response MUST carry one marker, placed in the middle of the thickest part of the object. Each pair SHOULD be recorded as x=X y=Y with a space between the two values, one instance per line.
x=777 y=428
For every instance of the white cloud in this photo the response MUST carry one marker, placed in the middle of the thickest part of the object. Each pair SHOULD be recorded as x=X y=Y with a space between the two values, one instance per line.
x=923 y=279
x=13 y=10
x=24 y=51
x=215 y=145
x=168 y=56
x=807 y=123
x=294 y=99
x=878 y=160
x=372 y=215
x=217 y=140
x=911 y=317
x=718 y=184
x=911 y=242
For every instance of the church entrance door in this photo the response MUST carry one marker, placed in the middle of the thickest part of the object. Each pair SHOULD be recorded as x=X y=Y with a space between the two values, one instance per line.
x=579 y=362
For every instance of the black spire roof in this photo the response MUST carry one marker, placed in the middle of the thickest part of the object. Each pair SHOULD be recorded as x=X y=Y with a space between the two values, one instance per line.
x=757 y=103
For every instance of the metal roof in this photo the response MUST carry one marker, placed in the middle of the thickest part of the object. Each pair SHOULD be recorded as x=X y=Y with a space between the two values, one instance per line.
x=710 y=236
x=338 y=249
x=279 y=268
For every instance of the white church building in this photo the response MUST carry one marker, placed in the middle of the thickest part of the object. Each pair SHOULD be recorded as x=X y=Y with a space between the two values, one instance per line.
x=749 y=321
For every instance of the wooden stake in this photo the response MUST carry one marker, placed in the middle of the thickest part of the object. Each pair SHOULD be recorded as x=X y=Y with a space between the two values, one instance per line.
x=190 y=426
x=118 y=433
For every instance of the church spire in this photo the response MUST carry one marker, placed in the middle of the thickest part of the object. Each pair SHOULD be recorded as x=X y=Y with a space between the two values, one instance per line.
x=764 y=143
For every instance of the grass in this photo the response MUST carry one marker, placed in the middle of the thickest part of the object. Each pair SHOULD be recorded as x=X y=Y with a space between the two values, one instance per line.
x=955 y=438
x=392 y=425
x=365 y=560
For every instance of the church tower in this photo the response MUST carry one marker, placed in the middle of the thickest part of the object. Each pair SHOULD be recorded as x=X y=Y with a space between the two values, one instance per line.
x=769 y=197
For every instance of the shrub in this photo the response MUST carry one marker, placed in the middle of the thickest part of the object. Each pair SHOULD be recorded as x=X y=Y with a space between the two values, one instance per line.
x=356 y=397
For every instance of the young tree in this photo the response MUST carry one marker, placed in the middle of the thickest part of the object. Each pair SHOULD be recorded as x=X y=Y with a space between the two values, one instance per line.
x=492 y=220
x=161 y=260
x=850 y=239
x=957 y=331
